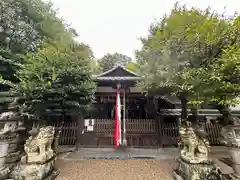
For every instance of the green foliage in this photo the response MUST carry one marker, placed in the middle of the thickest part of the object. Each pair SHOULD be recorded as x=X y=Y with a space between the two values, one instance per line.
x=9 y=64
x=220 y=80
x=56 y=80
x=108 y=61
x=24 y=23
x=95 y=67
x=24 y=26
x=192 y=54
x=134 y=67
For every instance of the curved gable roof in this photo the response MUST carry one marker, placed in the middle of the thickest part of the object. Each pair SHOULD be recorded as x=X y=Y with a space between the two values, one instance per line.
x=118 y=73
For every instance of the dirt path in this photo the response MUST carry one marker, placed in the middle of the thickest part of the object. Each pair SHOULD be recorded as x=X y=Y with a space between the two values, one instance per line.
x=115 y=169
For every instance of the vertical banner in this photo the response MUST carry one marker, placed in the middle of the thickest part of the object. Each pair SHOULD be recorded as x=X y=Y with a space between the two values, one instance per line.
x=117 y=137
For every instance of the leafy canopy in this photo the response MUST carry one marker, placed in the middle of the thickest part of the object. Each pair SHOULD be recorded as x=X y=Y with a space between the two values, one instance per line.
x=56 y=80
x=108 y=61
x=183 y=45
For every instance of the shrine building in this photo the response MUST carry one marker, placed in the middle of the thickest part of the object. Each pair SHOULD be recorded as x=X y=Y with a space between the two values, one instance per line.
x=147 y=121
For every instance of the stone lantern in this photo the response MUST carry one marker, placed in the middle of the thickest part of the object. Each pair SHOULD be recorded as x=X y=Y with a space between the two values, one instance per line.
x=231 y=134
x=10 y=153
x=4 y=170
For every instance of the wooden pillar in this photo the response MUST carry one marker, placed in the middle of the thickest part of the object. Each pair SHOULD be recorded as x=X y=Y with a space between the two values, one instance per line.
x=124 y=117
x=157 y=123
x=79 y=130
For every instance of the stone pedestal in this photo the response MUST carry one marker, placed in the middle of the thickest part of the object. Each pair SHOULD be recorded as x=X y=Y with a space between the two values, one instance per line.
x=53 y=174
x=189 y=171
x=4 y=171
x=35 y=171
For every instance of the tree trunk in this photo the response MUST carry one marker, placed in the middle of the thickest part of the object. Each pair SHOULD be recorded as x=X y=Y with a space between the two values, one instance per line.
x=184 y=113
x=194 y=117
x=226 y=115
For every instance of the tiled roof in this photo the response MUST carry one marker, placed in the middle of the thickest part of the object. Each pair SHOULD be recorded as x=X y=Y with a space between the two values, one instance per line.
x=106 y=76
x=114 y=68
x=203 y=112
x=128 y=78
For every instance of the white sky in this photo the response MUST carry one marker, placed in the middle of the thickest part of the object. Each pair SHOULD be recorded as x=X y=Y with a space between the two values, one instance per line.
x=110 y=26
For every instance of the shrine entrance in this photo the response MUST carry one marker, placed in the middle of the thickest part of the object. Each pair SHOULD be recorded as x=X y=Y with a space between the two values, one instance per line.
x=138 y=125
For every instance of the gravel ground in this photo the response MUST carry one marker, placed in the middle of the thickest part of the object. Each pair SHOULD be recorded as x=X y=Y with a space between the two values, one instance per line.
x=115 y=169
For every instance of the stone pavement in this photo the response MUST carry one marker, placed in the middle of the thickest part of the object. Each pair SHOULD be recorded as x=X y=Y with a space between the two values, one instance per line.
x=132 y=153
x=129 y=153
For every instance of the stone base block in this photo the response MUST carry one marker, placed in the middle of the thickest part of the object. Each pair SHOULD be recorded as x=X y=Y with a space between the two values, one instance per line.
x=176 y=175
x=4 y=173
x=40 y=158
x=53 y=175
x=187 y=171
x=32 y=171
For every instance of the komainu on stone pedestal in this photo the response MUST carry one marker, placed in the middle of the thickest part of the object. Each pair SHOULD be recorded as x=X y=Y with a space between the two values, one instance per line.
x=38 y=163
x=194 y=162
x=38 y=149
x=195 y=145
x=192 y=171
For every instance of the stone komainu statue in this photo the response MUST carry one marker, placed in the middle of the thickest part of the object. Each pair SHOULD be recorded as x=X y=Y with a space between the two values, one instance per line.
x=195 y=145
x=40 y=145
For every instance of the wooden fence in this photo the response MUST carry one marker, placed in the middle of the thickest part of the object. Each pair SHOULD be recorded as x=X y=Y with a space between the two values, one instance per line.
x=169 y=133
x=68 y=134
x=139 y=133
x=213 y=131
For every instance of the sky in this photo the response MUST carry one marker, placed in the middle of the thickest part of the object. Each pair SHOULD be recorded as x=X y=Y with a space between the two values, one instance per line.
x=110 y=26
